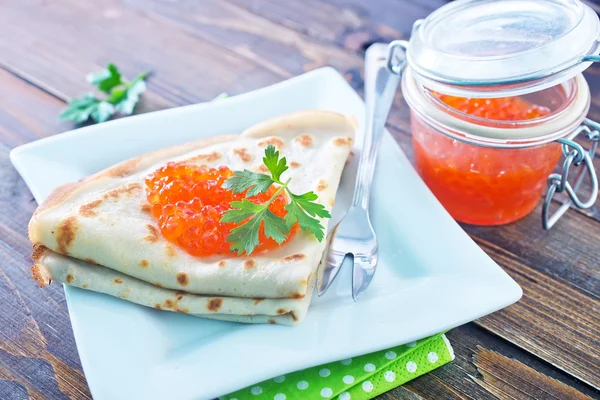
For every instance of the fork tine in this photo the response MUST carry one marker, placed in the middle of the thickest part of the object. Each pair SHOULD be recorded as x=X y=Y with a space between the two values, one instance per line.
x=331 y=268
x=362 y=273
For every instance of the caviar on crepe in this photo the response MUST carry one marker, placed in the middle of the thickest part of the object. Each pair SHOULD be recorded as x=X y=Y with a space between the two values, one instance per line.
x=189 y=202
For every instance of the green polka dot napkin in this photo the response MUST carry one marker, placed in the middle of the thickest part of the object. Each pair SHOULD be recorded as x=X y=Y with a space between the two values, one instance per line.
x=362 y=377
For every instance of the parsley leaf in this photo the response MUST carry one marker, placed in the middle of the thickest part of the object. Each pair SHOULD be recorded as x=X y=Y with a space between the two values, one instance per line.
x=132 y=96
x=105 y=79
x=302 y=209
x=307 y=223
x=80 y=108
x=242 y=180
x=307 y=202
x=103 y=111
x=250 y=216
x=245 y=236
x=116 y=96
x=121 y=96
x=275 y=166
x=275 y=227
x=242 y=210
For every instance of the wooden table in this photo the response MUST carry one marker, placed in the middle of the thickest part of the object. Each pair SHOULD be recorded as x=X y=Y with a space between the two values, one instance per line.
x=547 y=346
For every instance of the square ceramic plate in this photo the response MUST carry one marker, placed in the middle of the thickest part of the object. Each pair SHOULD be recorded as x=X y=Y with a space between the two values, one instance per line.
x=431 y=276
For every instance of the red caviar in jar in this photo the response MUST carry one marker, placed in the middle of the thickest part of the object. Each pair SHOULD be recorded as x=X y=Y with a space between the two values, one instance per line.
x=498 y=109
x=189 y=201
x=483 y=185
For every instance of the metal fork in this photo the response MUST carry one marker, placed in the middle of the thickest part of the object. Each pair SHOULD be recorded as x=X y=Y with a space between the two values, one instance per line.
x=354 y=235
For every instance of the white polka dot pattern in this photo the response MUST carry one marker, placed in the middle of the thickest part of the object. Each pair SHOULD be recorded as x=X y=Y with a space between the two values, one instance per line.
x=432 y=357
x=411 y=366
x=354 y=378
x=302 y=385
x=389 y=376
x=256 y=390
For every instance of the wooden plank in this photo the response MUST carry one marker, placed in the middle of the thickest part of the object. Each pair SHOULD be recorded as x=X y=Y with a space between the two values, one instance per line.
x=266 y=43
x=471 y=376
x=508 y=378
x=568 y=251
x=185 y=69
x=345 y=25
x=216 y=45
x=470 y=341
x=26 y=112
x=36 y=342
x=228 y=45
x=33 y=354
x=283 y=50
x=561 y=321
x=352 y=24
x=38 y=358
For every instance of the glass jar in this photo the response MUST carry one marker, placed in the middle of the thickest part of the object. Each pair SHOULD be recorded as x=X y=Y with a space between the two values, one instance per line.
x=496 y=94
x=486 y=181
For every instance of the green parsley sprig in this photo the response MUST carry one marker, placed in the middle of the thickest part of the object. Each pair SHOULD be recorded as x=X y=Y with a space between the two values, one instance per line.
x=121 y=96
x=302 y=208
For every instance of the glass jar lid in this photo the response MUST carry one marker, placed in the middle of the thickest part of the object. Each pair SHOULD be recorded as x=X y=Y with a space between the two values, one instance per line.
x=494 y=48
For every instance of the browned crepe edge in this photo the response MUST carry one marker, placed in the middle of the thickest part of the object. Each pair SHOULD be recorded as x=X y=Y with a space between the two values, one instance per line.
x=62 y=193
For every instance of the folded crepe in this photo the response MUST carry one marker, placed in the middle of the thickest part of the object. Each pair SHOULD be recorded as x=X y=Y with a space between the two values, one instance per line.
x=98 y=234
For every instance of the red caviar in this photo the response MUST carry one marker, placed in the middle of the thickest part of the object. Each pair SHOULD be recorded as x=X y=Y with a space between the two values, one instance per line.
x=498 y=109
x=482 y=185
x=189 y=201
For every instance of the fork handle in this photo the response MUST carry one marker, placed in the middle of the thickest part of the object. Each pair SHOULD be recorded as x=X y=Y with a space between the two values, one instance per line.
x=380 y=88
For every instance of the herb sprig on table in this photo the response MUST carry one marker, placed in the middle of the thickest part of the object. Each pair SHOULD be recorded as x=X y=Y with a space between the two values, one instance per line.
x=301 y=209
x=121 y=95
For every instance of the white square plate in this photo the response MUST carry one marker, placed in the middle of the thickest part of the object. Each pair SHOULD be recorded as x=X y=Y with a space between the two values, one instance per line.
x=431 y=276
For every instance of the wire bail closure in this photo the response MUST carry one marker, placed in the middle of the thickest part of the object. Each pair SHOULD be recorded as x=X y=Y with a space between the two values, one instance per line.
x=558 y=183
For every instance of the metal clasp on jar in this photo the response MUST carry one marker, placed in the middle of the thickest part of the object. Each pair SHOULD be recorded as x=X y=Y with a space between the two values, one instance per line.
x=557 y=183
